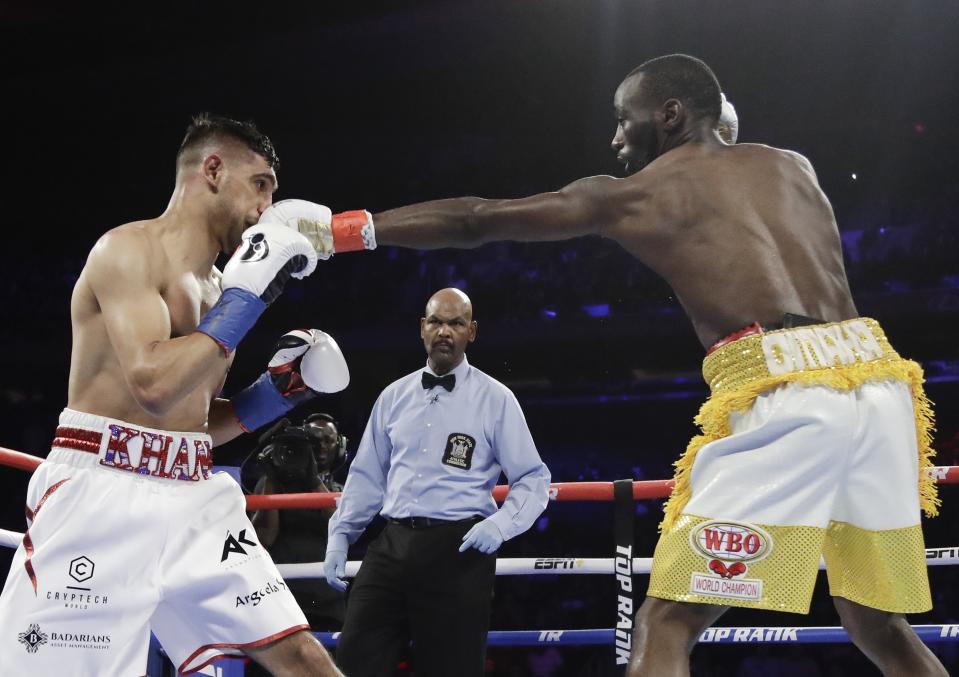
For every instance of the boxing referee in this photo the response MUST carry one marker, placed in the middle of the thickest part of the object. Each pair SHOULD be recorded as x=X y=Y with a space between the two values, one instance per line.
x=433 y=449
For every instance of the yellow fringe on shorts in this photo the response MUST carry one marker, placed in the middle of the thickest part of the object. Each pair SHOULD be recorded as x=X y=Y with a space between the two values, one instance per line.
x=737 y=374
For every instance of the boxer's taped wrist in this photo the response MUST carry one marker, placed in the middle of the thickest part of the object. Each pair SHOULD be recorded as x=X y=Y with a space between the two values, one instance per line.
x=259 y=403
x=232 y=317
x=353 y=231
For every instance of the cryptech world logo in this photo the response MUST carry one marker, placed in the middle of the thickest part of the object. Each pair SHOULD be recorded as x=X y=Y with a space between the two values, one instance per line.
x=75 y=596
x=81 y=569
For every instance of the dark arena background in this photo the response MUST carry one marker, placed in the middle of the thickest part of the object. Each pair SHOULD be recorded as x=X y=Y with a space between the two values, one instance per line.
x=377 y=105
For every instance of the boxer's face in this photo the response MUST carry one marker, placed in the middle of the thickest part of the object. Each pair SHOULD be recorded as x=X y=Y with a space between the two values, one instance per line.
x=446 y=330
x=637 y=138
x=247 y=190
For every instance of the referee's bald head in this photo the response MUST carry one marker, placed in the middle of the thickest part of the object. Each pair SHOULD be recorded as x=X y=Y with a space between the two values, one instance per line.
x=447 y=328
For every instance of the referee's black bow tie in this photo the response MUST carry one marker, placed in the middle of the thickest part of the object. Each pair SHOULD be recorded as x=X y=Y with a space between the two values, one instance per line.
x=430 y=381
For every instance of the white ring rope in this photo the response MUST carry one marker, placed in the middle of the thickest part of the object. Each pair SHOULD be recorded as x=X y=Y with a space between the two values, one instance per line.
x=525 y=566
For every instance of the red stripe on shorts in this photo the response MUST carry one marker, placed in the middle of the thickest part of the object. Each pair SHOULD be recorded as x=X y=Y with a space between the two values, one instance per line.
x=27 y=541
x=247 y=645
x=27 y=564
x=78 y=439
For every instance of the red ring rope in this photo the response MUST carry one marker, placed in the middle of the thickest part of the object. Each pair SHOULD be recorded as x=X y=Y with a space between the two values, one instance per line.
x=561 y=491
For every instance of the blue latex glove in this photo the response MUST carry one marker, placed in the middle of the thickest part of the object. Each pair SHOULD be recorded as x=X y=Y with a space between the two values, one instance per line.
x=334 y=569
x=485 y=536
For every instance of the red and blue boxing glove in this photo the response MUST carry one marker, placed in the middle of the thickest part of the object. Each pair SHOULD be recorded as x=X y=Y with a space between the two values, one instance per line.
x=305 y=362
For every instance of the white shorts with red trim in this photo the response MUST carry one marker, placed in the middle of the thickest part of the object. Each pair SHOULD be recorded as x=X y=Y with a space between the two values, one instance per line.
x=114 y=552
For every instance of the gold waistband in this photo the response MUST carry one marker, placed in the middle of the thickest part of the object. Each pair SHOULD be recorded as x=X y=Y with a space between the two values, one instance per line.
x=835 y=345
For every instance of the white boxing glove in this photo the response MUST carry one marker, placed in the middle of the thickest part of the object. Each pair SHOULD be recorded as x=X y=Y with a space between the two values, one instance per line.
x=728 y=126
x=329 y=233
x=253 y=278
x=268 y=256
x=323 y=367
x=305 y=362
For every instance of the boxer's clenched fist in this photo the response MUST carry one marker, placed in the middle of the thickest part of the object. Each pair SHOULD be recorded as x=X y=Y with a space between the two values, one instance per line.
x=253 y=278
x=329 y=233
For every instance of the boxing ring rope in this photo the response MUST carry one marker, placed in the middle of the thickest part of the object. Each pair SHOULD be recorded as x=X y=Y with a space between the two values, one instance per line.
x=714 y=635
x=526 y=566
x=560 y=491
x=569 y=491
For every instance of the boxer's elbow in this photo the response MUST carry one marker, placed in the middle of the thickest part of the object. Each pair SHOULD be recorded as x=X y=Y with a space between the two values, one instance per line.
x=479 y=225
x=150 y=390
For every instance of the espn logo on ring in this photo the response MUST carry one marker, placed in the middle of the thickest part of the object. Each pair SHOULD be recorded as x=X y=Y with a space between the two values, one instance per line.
x=731 y=541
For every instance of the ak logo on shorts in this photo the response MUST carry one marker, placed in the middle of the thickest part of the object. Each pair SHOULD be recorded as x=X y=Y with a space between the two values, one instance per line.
x=235 y=545
x=33 y=638
x=459 y=451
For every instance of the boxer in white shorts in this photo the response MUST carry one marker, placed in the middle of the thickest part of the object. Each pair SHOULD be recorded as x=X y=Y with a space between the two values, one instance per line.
x=111 y=553
x=128 y=529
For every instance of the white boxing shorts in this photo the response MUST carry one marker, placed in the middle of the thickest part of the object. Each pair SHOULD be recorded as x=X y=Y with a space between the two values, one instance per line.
x=128 y=532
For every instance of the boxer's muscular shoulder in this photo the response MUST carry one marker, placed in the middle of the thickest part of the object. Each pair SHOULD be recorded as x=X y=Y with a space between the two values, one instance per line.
x=799 y=161
x=784 y=160
x=129 y=253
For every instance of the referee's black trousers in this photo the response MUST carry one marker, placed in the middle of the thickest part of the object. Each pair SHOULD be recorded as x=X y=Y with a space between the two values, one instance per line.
x=416 y=586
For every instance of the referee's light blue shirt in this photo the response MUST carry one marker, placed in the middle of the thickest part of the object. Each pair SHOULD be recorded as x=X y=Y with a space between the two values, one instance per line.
x=433 y=453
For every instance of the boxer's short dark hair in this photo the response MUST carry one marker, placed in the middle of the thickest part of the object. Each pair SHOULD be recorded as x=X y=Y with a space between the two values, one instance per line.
x=206 y=126
x=683 y=77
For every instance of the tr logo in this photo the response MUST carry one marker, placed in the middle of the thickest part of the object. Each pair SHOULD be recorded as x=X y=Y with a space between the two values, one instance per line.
x=231 y=545
x=81 y=569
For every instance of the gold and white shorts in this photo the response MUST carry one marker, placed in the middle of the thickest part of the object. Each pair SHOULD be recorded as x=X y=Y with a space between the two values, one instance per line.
x=811 y=467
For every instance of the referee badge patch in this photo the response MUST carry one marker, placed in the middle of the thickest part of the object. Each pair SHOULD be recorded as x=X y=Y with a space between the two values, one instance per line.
x=459 y=451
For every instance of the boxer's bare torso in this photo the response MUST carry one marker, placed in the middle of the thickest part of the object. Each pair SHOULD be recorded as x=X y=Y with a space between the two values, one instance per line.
x=140 y=282
x=741 y=233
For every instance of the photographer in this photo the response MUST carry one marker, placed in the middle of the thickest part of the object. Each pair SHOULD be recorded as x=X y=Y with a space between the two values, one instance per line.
x=297 y=459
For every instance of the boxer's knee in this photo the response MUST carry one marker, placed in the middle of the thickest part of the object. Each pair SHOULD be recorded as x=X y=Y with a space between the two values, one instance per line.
x=669 y=621
x=871 y=627
x=888 y=640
